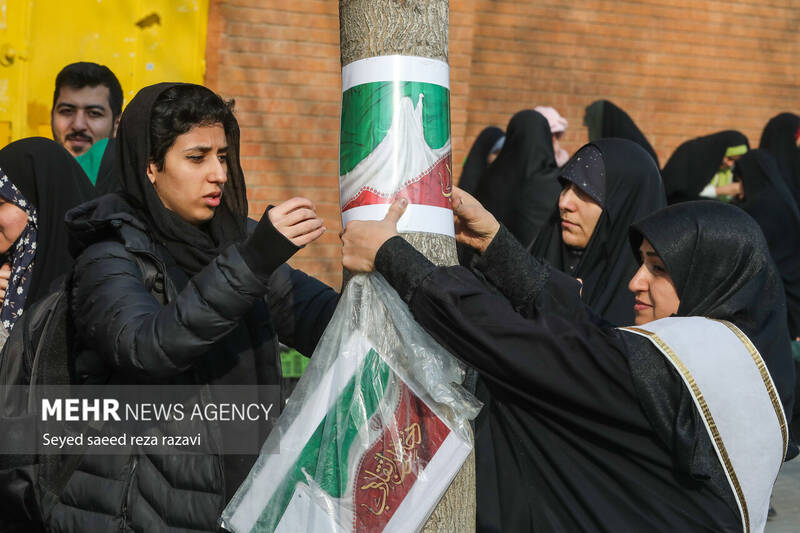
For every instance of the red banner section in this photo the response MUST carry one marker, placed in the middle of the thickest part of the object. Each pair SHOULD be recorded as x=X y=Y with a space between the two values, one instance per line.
x=433 y=187
x=390 y=467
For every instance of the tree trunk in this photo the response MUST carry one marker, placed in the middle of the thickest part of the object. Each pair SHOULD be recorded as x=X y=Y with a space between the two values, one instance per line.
x=370 y=28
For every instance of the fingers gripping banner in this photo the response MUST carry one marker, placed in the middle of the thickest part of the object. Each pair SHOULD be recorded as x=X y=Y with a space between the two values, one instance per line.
x=374 y=433
x=395 y=142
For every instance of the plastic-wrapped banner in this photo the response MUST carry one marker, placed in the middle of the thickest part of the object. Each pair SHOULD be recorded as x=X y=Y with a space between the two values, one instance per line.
x=395 y=142
x=372 y=436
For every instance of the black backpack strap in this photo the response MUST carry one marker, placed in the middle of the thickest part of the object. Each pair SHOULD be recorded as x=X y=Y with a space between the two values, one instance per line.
x=54 y=347
x=32 y=355
x=53 y=344
x=56 y=471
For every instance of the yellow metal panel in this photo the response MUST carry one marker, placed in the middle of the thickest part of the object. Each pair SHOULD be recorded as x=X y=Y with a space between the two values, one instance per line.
x=142 y=41
x=5 y=132
x=14 y=18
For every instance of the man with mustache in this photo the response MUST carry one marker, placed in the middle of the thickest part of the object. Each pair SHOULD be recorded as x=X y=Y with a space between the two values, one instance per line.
x=87 y=103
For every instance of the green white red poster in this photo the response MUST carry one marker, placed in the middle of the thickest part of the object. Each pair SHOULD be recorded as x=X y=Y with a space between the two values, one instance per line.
x=364 y=453
x=395 y=141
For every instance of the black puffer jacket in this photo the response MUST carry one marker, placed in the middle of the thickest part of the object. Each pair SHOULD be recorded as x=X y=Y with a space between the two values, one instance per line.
x=219 y=327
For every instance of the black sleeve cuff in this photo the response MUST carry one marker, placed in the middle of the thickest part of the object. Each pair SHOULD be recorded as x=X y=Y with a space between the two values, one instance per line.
x=510 y=268
x=266 y=249
x=402 y=266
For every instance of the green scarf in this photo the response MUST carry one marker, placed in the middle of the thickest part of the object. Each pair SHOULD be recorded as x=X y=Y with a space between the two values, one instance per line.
x=90 y=161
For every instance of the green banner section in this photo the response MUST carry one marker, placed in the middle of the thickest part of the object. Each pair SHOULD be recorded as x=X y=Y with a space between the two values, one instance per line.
x=324 y=457
x=367 y=112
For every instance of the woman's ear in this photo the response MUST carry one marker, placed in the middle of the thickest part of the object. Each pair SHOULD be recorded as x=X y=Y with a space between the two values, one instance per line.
x=152 y=171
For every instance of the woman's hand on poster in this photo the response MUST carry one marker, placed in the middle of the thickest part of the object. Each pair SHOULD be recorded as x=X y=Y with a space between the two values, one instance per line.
x=297 y=220
x=5 y=275
x=362 y=239
x=475 y=225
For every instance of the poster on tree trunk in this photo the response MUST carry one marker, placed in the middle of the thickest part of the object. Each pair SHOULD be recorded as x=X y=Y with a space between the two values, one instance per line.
x=395 y=142
x=374 y=433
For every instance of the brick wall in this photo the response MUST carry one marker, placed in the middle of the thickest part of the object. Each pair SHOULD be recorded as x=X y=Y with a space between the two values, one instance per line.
x=280 y=61
x=681 y=69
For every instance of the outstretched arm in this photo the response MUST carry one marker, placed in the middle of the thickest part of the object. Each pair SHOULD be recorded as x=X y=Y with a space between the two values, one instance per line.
x=301 y=307
x=545 y=355
x=116 y=314
x=519 y=276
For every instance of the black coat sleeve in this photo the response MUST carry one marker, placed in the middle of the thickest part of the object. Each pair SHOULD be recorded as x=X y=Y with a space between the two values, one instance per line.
x=548 y=358
x=522 y=279
x=300 y=306
x=117 y=316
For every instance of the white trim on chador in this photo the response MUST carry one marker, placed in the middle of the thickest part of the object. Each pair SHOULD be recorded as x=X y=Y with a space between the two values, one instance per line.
x=395 y=68
x=736 y=398
x=417 y=217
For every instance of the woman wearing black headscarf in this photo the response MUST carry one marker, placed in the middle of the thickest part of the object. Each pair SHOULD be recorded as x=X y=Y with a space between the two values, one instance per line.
x=225 y=297
x=608 y=185
x=779 y=139
x=766 y=198
x=601 y=429
x=520 y=186
x=478 y=158
x=702 y=167
x=40 y=182
x=603 y=119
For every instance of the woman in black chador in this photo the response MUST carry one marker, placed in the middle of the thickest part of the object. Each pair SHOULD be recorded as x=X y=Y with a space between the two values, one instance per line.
x=702 y=167
x=225 y=297
x=767 y=199
x=779 y=139
x=604 y=119
x=39 y=182
x=601 y=429
x=478 y=158
x=607 y=185
x=520 y=186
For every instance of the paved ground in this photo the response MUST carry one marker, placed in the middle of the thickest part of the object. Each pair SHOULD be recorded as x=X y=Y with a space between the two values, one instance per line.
x=786 y=500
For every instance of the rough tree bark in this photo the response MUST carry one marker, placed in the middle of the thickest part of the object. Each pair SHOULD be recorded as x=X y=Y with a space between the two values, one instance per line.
x=370 y=28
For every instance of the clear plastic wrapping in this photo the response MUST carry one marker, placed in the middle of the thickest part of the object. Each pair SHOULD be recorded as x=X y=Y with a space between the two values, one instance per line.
x=372 y=436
